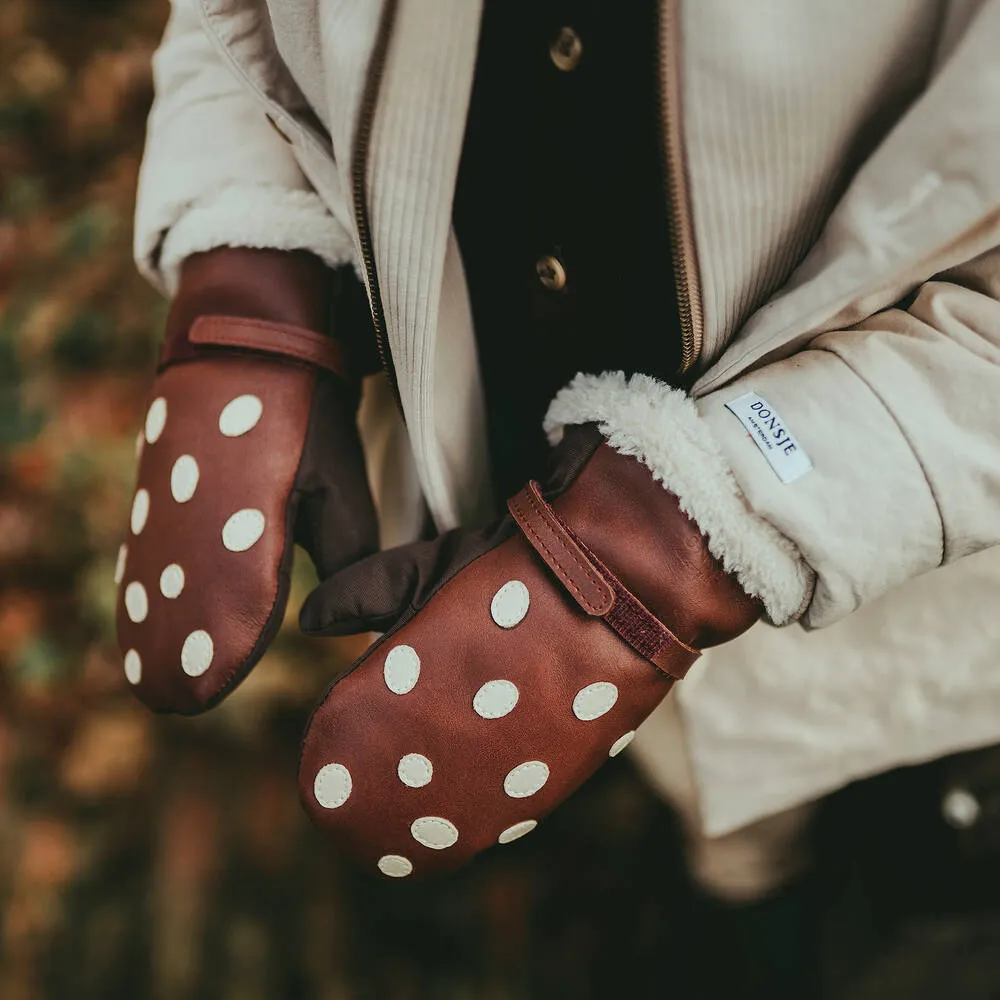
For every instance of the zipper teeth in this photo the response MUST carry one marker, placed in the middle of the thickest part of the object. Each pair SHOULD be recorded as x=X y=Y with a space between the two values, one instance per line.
x=678 y=214
x=359 y=183
x=679 y=221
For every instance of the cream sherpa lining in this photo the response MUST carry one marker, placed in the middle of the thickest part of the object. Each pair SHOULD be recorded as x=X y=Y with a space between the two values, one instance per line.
x=661 y=427
x=254 y=215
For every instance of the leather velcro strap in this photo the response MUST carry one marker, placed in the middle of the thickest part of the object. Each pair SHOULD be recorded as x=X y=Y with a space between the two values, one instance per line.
x=594 y=587
x=550 y=539
x=269 y=338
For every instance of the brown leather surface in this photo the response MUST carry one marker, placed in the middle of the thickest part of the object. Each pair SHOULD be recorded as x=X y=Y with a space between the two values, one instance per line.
x=553 y=653
x=268 y=337
x=630 y=532
x=234 y=596
x=583 y=574
x=277 y=286
x=560 y=551
x=635 y=527
x=260 y=323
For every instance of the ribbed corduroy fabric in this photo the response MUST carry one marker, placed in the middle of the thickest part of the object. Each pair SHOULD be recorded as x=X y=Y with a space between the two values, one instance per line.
x=412 y=170
x=763 y=177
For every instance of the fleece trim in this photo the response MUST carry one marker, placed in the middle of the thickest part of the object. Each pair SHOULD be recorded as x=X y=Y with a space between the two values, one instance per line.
x=254 y=215
x=660 y=426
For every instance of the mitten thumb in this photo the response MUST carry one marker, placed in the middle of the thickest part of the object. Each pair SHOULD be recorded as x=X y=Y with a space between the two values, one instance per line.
x=375 y=593
x=369 y=595
x=335 y=518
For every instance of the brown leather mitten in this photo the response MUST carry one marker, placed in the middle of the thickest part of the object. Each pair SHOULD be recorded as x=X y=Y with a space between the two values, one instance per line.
x=516 y=661
x=249 y=445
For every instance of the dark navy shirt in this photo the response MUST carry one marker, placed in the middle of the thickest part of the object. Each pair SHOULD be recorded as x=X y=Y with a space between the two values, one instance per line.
x=561 y=211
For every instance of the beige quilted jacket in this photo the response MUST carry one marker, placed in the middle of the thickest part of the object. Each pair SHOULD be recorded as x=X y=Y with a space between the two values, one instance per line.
x=835 y=188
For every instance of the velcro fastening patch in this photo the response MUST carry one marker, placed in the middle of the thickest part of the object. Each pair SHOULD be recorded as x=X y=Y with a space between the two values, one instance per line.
x=771 y=435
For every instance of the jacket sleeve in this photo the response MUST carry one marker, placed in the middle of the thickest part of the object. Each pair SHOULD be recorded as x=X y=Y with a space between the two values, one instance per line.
x=895 y=467
x=215 y=172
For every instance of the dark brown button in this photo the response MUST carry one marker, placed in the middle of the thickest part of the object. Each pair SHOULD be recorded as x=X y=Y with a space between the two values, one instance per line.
x=551 y=273
x=566 y=50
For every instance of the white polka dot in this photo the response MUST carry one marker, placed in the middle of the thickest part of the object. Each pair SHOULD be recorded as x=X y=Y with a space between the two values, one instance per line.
x=172 y=581
x=140 y=440
x=197 y=653
x=395 y=865
x=434 y=832
x=140 y=511
x=495 y=699
x=526 y=779
x=402 y=668
x=332 y=786
x=240 y=415
x=133 y=667
x=594 y=700
x=510 y=604
x=156 y=419
x=120 y=563
x=517 y=831
x=136 y=602
x=415 y=770
x=242 y=530
x=184 y=478
x=620 y=743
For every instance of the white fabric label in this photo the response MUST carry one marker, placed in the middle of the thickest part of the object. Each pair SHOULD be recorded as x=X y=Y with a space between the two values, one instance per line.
x=770 y=433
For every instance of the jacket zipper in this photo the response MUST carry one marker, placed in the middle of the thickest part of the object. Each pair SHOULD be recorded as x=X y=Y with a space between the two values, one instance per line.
x=359 y=184
x=678 y=204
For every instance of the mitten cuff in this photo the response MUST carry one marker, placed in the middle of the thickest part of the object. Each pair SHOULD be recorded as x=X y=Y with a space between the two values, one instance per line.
x=661 y=427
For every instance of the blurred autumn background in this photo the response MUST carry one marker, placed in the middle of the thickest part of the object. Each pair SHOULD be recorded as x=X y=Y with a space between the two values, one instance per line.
x=149 y=857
